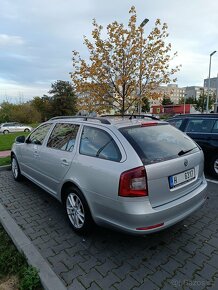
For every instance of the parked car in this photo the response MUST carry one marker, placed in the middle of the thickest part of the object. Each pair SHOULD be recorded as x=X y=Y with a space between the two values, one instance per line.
x=203 y=129
x=138 y=175
x=11 y=127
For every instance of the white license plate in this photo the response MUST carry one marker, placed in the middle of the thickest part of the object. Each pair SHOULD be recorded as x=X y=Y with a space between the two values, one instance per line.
x=181 y=178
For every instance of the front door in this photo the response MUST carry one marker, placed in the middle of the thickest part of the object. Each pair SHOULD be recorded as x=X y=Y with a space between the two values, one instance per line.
x=57 y=155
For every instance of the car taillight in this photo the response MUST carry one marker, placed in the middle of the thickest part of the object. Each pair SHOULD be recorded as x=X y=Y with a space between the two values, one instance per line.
x=133 y=183
x=148 y=124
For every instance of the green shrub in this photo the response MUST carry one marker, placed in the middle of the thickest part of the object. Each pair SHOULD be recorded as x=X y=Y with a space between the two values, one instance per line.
x=29 y=278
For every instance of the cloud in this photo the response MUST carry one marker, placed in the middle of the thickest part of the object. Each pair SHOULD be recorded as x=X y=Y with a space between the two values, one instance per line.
x=8 y=40
x=36 y=40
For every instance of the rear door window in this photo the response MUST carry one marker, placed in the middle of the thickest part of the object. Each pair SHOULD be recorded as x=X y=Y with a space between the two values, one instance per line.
x=158 y=143
x=98 y=143
x=63 y=137
x=200 y=125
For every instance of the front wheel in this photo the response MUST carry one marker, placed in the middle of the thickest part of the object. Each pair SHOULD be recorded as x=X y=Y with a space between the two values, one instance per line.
x=26 y=130
x=213 y=166
x=15 y=169
x=77 y=211
x=5 y=132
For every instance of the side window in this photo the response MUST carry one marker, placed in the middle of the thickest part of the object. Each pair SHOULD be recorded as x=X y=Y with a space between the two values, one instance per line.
x=38 y=136
x=176 y=123
x=200 y=125
x=63 y=137
x=215 y=127
x=98 y=143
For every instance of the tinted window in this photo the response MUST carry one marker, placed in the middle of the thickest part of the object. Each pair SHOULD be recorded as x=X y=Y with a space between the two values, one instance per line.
x=176 y=123
x=9 y=125
x=63 y=137
x=158 y=143
x=38 y=136
x=200 y=125
x=98 y=143
x=215 y=127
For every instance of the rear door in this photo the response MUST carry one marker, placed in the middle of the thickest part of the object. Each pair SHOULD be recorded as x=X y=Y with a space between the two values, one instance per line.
x=19 y=127
x=200 y=130
x=173 y=162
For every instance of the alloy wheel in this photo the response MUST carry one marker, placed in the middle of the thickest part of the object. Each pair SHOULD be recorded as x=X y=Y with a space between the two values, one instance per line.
x=14 y=167
x=215 y=165
x=75 y=210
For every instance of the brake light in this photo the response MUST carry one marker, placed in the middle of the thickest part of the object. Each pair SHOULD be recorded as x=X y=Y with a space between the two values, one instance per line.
x=148 y=124
x=133 y=183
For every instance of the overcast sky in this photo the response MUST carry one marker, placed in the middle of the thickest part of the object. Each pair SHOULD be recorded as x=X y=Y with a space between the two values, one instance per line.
x=37 y=38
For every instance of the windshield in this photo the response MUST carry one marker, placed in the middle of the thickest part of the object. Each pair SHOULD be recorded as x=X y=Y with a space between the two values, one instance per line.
x=158 y=143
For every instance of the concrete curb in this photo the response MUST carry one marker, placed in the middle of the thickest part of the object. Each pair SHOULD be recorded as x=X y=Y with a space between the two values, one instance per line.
x=5 y=167
x=49 y=279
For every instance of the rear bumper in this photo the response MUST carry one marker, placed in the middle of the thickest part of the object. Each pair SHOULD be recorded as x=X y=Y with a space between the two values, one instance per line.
x=129 y=215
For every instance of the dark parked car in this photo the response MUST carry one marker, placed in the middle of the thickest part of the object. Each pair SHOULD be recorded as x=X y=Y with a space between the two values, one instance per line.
x=203 y=129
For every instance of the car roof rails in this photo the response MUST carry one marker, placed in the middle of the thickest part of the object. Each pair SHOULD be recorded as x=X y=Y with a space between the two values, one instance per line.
x=132 y=116
x=209 y=115
x=84 y=118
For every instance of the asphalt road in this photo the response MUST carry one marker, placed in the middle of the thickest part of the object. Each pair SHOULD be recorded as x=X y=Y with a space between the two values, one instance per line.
x=184 y=256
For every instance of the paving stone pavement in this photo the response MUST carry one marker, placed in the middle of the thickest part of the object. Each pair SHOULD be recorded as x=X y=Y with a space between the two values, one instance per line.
x=184 y=256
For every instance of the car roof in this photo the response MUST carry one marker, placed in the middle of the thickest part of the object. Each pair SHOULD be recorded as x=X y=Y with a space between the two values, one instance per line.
x=196 y=116
x=110 y=120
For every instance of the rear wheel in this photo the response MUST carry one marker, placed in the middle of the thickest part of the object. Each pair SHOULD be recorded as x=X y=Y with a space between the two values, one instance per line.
x=213 y=166
x=5 y=132
x=26 y=130
x=77 y=211
x=15 y=168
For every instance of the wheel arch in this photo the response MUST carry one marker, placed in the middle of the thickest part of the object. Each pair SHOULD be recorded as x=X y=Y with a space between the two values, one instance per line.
x=68 y=184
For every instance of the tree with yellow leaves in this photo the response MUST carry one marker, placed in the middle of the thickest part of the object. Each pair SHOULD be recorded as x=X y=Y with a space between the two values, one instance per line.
x=123 y=68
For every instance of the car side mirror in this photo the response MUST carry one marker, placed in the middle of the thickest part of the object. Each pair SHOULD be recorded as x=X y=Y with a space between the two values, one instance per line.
x=20 y=139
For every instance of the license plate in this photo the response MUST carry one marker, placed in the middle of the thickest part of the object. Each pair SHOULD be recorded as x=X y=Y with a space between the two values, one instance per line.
x=181 y=178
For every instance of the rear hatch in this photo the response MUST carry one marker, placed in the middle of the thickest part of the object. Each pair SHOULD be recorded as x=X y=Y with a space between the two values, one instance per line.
x=173 y=161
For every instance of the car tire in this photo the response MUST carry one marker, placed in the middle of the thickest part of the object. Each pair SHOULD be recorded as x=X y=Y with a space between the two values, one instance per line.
x=15 y=169
x=213 y=165
x=27 y=130
x=5 y=132
x=77 y=210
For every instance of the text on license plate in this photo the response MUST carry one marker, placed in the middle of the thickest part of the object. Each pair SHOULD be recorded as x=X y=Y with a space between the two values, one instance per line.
x=181 y=178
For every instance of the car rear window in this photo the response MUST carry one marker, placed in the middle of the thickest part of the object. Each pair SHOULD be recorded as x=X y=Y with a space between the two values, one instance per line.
x=158 y=143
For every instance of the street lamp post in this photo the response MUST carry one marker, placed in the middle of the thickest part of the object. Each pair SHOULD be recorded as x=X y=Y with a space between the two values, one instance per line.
x=144 y=22
x=208 y=89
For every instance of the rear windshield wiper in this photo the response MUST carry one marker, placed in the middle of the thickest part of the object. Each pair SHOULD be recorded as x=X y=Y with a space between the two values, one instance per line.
x=182 y=152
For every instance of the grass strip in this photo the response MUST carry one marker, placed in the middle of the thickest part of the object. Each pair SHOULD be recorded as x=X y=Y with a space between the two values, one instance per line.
x=5 y=161
x=6 y=140
x=12 y=262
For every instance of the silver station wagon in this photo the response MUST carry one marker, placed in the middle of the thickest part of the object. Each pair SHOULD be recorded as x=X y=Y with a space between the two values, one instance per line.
x=134 y=175
x=11 y=127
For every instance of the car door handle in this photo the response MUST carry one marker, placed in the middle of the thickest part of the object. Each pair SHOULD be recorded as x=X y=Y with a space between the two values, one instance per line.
x=64 y=162
x=36 y=154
